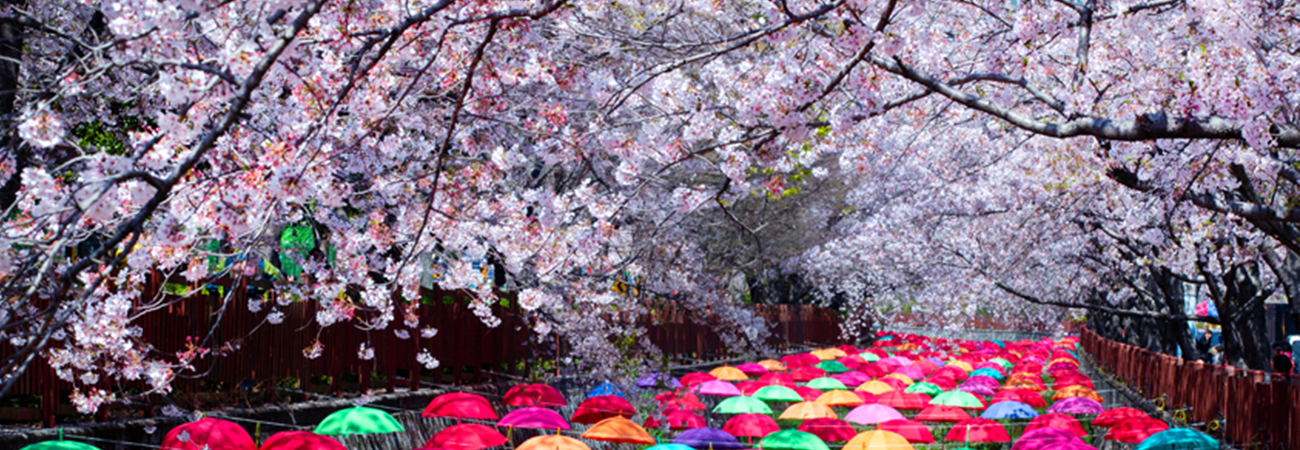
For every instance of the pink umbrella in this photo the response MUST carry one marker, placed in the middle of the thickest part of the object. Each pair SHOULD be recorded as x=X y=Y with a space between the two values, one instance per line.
x=300 y=440
x=872 y=413
x=752 y=369
x=982 y=379
x=829 y=430
x=208 y=433
x=717 y=387
x=898 y=361
x=533 y=417
x=852 y=379
x=1077 y=405
x=912 y=372
x=978 y=389
x=466 y=436
x=1044 y=438
x=751 y=426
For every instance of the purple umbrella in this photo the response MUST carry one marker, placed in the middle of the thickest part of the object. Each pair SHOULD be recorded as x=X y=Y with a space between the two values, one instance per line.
x=978 y=389
x=1077 y=405
x=1062 y=365
x=937 y=362
x=717 y=387
x=705 y=438
x=533 y=417
x=652 y=379
x=852 y=379
x=872 y=413
x=982 y=380
x=1046 y=437
x=912 y=372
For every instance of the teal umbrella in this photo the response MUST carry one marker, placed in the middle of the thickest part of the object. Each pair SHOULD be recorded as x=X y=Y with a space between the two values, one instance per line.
x=778 y=393
x=827 y=384
x=1000 y=343
x=358 y=420
x=988 y=372
x=60 y=445
x=1178 y=439
x=742 y=405
x=832 y=366
x=870 y=357
x=792 y=440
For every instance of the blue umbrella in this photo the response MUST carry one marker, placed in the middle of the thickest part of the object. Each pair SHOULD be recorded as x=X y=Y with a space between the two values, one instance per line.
x=653 y=379
x=1009 y=410
x=605 y=388
x=707 y=438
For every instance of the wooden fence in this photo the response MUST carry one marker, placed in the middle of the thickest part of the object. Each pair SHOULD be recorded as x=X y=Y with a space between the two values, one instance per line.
x=258 y=356
x=1259 y=410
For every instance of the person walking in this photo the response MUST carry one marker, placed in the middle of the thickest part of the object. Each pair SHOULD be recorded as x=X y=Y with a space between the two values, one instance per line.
x=1203 y=345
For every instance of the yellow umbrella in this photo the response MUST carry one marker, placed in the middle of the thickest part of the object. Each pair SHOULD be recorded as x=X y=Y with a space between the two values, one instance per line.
x=618 y=430
x=878 y=440
x=773 y=365
x=808 y=410
x=728 y=373
x=963 y=365
x=876 y=387
x=907 y=381
x=827 y=354
x=839 y=398
x=552 y=442
x=907 y=346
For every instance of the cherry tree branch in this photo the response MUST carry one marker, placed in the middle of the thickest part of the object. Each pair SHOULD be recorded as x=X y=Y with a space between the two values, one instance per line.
x=1106 y=309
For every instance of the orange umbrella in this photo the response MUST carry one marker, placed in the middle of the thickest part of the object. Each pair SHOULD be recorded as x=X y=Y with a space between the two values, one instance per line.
x=808 y=410
x=773 y=365
x=728 y=373
x=552 y=442
x=839 y=397
x=907 y=381
x=875 y=387
x=878 y=440
x=618 y=430
x=1076 y=391
x=827 y=354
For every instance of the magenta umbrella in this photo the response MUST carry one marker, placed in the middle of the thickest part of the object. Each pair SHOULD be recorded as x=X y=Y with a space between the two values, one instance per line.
x=982 y=379
x=533 y=417
x=852 y=379
x=717 y=387
x=912 y=372
x=828 y=429
x=978 y=389
x=1042 y=438
x=872 y=413
x=1077 y=405
x=752 y=369
x=896 y=360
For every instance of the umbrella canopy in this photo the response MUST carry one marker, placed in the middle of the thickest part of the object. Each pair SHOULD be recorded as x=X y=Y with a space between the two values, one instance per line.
x=601 y=407
x=751 y=425
x=914 y=432
x=866 y=397
x=533 y=417
x=988 y=372
x=684 y=419
x=718 y=388
x=832 y=366
x=669 y=446
x=912 y=372
x=300 y=440
x=466 y=436
x=800 y=360
x=1009 y=410
x=943 y=381
x=906 y=380
x=808 y=394
x=782 y=379
x=807 y=373
x=792 y=440
x=742 y=405
x=656 y=379
x=978 y=389
x=605 y=388
x=826 y=384
x=773 y=365
x=1025 y=396
x=705 y=438
x=900 y=400
x=959 y=399
x=839 y=398
x=977 y=429
x=619 y=430
x=1178 y=439
x=942 y=413
x=852 y=379
x=1077 y=405
x=878 y=440
x=461 y=405
x=777 y=393
x=872 y=370
x=753 y=369
x=687 y=400
x=981 y=380
x=728 y=373
x=1114 y=416
x=875 y=387
x=829 y=430
x=1076 y=391
x=829 y=353
x=1136 y=430
x=926 y=388
x=693 y=379
x=534 y=395
x=358 y=420
x=1058 y=421
x=808 y=410
x=63 y=445
x=895 y=382
x=1045 y=438
x=207 y=433
x=748 y=388
x=873 y=413
x=552 y=442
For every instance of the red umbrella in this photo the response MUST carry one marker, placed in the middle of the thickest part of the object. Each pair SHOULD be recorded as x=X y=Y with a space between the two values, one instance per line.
x=944 y=382
x=208 y=433
x=466 y=436
x=460 y=405
x=978 y=429
x=693 y=379
x=601 y=407
x=900 y=400
x=895 y=383
x=751 y=425
x=942 y=413
x=800 y=360
x=1057 y=420
x=1025 y=396
x=914 y=432
x=300 y=440
x=776 y=379
x=851 y=362
x=846 y=348
x=1114 y=416
x=749 y=387
x=808 y=394
x=1136 y=430
x=684 y=419
x=807 y=373
x=829 y=430
x=873 y=370
x=534 y=395
x=866 y=397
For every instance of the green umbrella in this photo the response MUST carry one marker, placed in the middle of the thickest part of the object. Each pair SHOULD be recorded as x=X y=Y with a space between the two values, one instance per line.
x=777 y=393
x=960 y=399
x=988 y=372
x=870 y=357
x=60 y=445
x=832 y=366
x=1178 y=439
x=1003 y=362
x=358 y=420
x=792 y=440
x=743 y=405
x=827 y=384
x=930 y=389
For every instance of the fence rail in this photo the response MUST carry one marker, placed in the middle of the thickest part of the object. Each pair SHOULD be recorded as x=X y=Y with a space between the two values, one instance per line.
x=1259 y=410
x=263 y=356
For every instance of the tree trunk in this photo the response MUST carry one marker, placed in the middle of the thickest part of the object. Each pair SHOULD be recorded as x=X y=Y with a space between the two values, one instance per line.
x=11 y=51
x=1241 y=315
